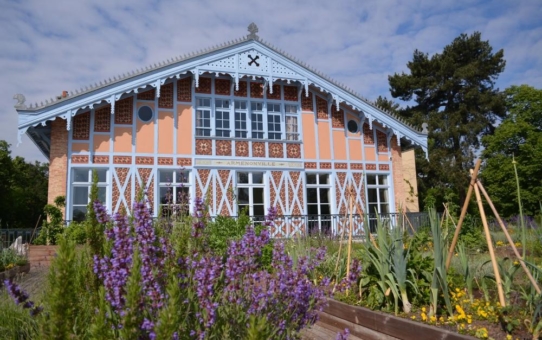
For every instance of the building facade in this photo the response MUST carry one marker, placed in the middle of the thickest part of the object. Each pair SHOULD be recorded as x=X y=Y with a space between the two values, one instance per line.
x=242 y=124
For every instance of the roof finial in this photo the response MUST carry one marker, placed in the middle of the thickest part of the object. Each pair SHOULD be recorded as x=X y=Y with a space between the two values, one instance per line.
x=253 y=29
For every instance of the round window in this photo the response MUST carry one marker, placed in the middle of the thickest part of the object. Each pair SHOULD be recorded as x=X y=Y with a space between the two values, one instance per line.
x=145 y=113
x=352 y=126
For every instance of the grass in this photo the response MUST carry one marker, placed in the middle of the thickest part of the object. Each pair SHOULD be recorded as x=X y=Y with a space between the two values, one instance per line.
x=15 y=323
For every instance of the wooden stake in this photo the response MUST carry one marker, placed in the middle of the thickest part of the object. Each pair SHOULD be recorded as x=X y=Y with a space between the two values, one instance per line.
x=351 y=200
x=463 y=213
x=490 y=247
x=510 y=241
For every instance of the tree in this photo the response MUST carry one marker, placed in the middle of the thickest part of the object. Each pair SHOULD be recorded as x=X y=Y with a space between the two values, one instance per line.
x=519 y=136
x=454 y=93
x=23 y=190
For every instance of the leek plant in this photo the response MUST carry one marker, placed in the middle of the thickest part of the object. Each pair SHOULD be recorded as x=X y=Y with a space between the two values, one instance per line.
x=507 y=276
x=466 y=270
x=522 y=222
x=439 y=281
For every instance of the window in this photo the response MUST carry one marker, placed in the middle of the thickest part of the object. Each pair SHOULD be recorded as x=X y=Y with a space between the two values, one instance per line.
x=257 y=120
x=378 y=194
x=174 y=192
x=352 y=126
x=203 y=117
x=145 y=114
x=250 y=193
x=81 y=185
x=222 y=118
x=291 y=122
x=318 y=191
x=241 y=119
x=273 y=121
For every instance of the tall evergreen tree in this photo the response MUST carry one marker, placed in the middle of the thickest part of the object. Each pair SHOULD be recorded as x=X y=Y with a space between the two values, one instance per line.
x=454 y=93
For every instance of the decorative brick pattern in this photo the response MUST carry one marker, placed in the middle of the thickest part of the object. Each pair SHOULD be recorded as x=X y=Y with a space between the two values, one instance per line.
x=321 y=107
x=275 y=94
x=256 y=90
x=340 y=188
x=291 y=93
x=165 y=160
x=296 y=191
x=81 y=126
x=144 y=160
x=148 y=185
x=276 y=150
x=360 y=194
x=382 y=140
x=337 y=117
x=184 y=89
x=385 y=167
x=124 y=111
x=100 y=159
x=224 y=176
x=204 y=85
x=222 y=86
x=79 y=159
x=122 y=174
x=166 y=96
x=241 y=148
x=242 y=92
x=404 y=179
x=184 y=161
x=368 y=135
x=279 y=192
x=370 y=166
x=122 y=160
x=147 y=95
x=341 y=165
x=204 y=147
x=223 y=148
x=258 y=149
x=325 y=165
x=203 y=178
x=102 y=119
x=58 y=160
x=293 y=150
x=306 y=102
x=356 y=166
x=310 y=165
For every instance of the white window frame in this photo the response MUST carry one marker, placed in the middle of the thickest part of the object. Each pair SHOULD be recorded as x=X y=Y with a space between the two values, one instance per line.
x=320 y=220
x=291 y=116
x=251 y=186
x=274 y=120
x=202 y=109
x=256 y=133
x=378 y=186
x=220 y=111
x=175 y=183
x=241 y=133
x=102 y=186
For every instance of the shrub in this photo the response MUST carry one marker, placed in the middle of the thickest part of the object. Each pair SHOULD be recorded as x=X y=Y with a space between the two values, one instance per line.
x=53 y=224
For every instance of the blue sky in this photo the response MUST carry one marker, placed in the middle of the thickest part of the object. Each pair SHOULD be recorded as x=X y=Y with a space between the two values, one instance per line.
x=50 y=46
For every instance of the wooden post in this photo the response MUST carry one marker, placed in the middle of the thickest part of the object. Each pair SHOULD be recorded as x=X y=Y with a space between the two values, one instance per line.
x=510 y=241
x=351 y=203
x=490 y=247
x=463 y=213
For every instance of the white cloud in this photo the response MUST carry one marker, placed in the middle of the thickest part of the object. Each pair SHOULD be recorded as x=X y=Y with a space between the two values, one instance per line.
x=50 y=46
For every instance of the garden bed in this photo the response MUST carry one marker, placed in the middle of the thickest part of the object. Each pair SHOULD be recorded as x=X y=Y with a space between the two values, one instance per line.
x=8 y=274
x=368 y=324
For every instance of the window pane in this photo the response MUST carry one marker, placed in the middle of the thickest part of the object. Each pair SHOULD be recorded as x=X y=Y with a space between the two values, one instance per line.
x=325 y=209
x=383 y=195
x=324 y=195
x=80 y=195
x=324 y=178
x=371 y=179
x=166 y=195
x=102 y=194
x=383 y=180
x=79 y=213
x=312 y=195
x=166 y=176
x=384 y=208
x=311 y=179
x=259 y=210
x=80 y=175
x=373 y=208
x=102 y=175
x=371 y=195
x=240 y=105
x=258 y=196
x=257 y=177
x=256 y=106
x=290 y=108
x=183 y=195
x=242 y=195
x=242 y=177
x=312 y=209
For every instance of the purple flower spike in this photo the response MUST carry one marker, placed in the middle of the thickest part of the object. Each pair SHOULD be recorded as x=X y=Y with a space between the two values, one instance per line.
x=21 y=297
x=343 y=335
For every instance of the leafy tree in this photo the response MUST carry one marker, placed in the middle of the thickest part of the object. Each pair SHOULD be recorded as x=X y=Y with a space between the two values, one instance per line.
x=518 y=136
x=387 y=104
x=23 y=189
x=454 y=93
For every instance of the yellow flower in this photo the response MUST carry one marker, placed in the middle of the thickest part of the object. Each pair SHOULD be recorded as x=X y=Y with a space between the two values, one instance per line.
x=517 y=244
x=424 y=317
x=423 y=309
x=508 y=337
x=433 y=318
x=441 y=319
x=481 y=333
x=413 y=317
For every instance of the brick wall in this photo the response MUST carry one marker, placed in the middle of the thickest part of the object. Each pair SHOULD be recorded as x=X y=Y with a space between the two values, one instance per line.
x=398 y=183
x=410 y=183
x=58 y=161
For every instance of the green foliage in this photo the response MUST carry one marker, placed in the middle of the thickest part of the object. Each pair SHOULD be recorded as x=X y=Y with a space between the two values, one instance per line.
x=15 y=322
x=453 y=91
x=76 y=232
x=9 y=257
x=53 y=225
x=439 y=283
x=225 y=229
x=23 y=188
x=519 y=136
x=94 y=230
x=466 y=271
x=132 y=318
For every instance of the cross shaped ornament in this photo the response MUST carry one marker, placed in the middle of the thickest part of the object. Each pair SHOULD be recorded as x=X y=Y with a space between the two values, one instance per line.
x=253 y=60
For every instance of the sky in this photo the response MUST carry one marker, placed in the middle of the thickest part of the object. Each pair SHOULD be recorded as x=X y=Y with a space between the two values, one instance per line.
x=55 y=45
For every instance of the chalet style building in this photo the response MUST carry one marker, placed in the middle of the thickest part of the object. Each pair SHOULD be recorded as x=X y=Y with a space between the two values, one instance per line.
x=243 y=125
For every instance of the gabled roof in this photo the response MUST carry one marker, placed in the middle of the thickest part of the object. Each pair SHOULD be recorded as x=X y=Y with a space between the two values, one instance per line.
x=234 y=58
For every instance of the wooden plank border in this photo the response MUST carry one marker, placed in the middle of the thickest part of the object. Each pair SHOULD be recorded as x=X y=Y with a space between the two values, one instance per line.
x=388 y=325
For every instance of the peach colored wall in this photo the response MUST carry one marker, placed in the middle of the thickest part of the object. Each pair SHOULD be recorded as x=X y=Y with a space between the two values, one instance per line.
x=123 y=139
x=79 y=147
x=165 y=132
x=309 y=144
x=370 y=153
x=323 y=142
x=184 y=129
x=339 y=144
x=354 y=146
x=144 y=132
x=383 y=158
x=101 y=143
